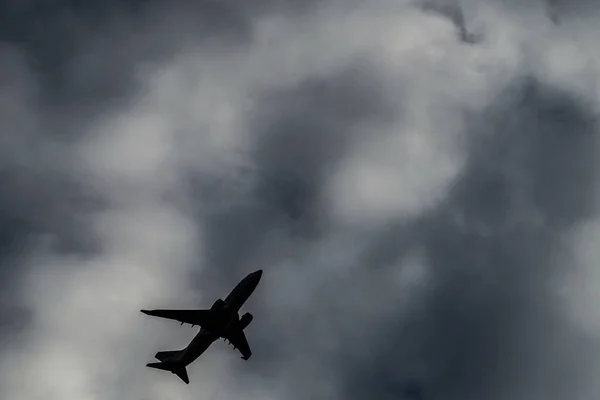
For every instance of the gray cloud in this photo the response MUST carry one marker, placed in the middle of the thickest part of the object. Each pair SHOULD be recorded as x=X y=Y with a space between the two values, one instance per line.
x=78 y=58
x=496 y=244
x=453 y=11
x=319 y=170
x=43 y=201
x=559 y=9
x=490 y=320
x=301 y=133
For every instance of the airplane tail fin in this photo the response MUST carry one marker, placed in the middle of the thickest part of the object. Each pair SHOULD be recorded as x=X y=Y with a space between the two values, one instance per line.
x=173 y=368
x=168 y=362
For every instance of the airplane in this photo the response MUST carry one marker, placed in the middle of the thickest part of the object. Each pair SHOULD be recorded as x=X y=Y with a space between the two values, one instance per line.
x=221 y=321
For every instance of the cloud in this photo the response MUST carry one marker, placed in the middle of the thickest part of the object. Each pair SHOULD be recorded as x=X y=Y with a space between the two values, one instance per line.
x=495 y=246
x=453 y=11
x=42 y=198
x=416 y=202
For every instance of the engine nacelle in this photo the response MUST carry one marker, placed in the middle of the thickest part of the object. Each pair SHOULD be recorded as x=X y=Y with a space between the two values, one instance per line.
x=218 y=305
x=245 y=320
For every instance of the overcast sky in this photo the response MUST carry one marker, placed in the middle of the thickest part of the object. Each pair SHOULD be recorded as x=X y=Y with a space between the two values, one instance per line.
x=417 y=179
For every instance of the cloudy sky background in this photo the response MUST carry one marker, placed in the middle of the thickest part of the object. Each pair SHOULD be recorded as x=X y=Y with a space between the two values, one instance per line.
x=417 y=179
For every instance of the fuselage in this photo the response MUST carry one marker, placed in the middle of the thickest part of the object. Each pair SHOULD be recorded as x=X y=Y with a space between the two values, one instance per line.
x=199 y=344
x=226 y=314
x=242 y=291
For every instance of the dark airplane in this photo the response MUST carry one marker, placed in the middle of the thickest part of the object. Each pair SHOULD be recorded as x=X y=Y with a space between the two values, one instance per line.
x=221 y=321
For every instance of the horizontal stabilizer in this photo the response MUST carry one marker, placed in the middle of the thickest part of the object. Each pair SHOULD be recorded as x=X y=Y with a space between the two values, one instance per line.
x=174 y=368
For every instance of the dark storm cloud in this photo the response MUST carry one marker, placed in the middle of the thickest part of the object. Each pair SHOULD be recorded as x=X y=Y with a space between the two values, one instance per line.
x=13 y=235
x=38 y=209
x=86 y=56
x=494 y=247
x=454 y=11
x=559 y=10
x=301 y=133
x=74 y=51
x=77 y=60
x=72 y=62
x=41 y=201
x=486 y=325
x=78 y=64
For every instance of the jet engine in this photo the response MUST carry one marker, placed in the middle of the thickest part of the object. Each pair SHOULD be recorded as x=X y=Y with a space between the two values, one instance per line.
x=245 y=320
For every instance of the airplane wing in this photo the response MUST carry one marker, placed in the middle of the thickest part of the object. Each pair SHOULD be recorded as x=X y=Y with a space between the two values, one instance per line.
x=237 y=338
x=192 y=317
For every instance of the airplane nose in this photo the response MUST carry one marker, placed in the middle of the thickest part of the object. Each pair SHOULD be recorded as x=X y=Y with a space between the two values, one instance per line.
x=253 y=277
